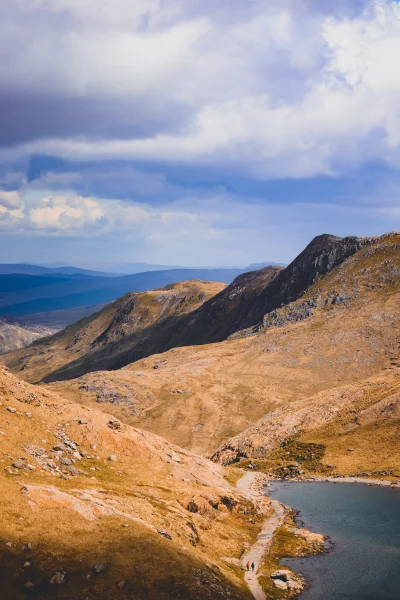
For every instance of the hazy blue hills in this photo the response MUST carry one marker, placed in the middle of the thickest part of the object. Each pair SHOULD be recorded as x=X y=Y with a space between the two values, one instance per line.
x=28 y=269
x=26 y=294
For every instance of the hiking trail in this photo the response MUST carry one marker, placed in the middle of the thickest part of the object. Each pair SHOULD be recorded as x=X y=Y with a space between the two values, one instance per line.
x=264 y=538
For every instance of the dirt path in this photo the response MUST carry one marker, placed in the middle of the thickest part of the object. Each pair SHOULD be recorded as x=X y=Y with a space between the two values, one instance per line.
x=246 y=486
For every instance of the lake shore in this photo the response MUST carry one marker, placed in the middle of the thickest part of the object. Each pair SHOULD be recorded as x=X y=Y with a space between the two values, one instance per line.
x=344 y=479
x=279 y=536
x=351 y=518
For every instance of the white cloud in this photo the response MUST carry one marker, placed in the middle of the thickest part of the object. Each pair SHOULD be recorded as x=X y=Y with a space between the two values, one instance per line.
x=10 y=200
x=66 y=213
x=276 y=89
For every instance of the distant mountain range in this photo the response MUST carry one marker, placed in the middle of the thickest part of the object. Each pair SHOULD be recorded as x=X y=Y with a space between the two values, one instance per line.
x=28 y=269
x=131 y=268
x=27 y=289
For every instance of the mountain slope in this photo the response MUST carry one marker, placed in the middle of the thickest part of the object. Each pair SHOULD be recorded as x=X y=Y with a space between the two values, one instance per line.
x=133 y=326
x=120 y=497
x=242 y=304
x=357 y=427
x=343 y=330
x=268 y=289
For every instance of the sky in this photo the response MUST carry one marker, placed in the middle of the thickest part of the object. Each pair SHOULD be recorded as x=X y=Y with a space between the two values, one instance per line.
x=195 y=132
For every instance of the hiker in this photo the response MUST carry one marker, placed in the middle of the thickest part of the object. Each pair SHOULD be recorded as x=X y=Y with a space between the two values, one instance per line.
x=248 y=566
x=252 y=566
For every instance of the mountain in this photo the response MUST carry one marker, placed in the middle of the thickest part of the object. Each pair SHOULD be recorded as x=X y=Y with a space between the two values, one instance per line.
x=240 y=305
x=342 y=331
x=16 y=334
x=26 y=294
x=134 y=326
x=269 y=289
x=262 y=265
x=292 y=372
x=28 y=269
x=131 y=268
x=119 y=497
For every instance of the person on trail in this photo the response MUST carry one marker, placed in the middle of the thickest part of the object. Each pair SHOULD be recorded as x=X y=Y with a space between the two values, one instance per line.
x=248 y=566
x=252 y=566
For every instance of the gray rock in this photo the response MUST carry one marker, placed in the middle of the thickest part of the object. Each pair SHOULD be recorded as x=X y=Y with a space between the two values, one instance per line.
x=11 y=409
x=282 y=574
x=73 y=470
x=100 y=567
x=112 y=458
x=281 y=585
x=19 y=464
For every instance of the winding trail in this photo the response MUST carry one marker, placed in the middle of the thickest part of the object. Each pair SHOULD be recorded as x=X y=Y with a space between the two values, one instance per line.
x=264 y=539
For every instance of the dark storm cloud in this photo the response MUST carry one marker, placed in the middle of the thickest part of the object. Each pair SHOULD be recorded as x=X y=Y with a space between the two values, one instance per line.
x=71 y=69
x=28 y=117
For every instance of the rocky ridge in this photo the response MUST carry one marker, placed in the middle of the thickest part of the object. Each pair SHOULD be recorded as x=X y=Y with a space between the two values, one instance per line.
x=134 y=326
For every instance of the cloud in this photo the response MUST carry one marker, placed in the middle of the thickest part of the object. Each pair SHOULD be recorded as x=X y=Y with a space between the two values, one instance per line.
x=10 y=200
x=288 y=89
x=66 y=213
x=166 y=127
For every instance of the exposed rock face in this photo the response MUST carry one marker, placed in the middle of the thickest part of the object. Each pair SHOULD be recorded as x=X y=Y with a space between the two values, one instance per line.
x=323 y=254
x=223 y=314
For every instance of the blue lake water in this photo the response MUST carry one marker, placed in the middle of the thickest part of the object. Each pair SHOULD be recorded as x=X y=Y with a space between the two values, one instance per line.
x=363 y=523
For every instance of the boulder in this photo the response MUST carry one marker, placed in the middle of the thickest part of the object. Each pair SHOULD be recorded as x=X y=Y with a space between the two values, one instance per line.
x=29 y=586
x=100 y=567
x=58 y=578
x=282 y=574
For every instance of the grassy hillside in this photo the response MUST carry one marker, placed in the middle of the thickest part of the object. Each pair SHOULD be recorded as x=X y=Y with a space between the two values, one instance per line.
x=200 y=397
x=133 y=326
x=94 y=509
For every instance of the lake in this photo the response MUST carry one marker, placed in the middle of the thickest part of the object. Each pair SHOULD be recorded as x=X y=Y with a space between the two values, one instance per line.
x=363 y=523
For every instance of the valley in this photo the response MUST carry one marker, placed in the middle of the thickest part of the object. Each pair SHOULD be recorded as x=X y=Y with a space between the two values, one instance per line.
x=141 y=420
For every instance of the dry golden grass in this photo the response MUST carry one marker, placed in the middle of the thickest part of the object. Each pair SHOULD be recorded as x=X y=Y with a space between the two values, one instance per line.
x=130 y=324
x=231 y=385
x=75 y=523
x=200 y=397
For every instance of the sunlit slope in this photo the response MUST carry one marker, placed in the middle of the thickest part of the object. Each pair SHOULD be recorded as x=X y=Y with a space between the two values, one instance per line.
x=135 y=325
x=80 y=494
x=200 y=397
